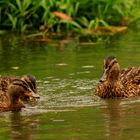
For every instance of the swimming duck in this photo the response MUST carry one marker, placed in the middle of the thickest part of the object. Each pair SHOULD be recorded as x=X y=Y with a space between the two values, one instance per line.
x=29 y=79
x=118 y=83
x=14 y=90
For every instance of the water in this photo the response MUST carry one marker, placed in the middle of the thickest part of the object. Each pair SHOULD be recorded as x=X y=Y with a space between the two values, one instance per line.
x=67 y=73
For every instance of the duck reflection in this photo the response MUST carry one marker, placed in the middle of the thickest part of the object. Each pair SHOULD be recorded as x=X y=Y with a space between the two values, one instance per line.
x=113 y=117
x=23 y=127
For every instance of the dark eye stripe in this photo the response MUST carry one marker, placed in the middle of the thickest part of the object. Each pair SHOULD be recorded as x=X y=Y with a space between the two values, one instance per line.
x=31 y=81
x=110 y=66
x=20 y=83
x=30 y=84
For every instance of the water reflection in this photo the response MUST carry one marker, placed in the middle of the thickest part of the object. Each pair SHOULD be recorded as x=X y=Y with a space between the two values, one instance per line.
x=122 y=118
x=23 y=127
x=113 y=116
x=67 y=74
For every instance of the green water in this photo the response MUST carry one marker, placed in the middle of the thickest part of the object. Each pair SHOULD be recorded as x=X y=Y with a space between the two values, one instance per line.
x=67 y=74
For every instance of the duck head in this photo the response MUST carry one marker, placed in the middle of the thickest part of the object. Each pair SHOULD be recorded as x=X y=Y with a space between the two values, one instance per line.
x=17 y=90
x=111 y=72
x=31 y=81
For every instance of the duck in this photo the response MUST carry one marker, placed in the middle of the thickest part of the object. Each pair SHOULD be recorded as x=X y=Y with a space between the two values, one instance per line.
x=13 y=91
x=115 y=83
x=29 y=79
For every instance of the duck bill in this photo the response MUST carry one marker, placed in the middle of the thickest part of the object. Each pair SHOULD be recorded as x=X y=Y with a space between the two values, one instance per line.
x=104 y=76
x=31 y=94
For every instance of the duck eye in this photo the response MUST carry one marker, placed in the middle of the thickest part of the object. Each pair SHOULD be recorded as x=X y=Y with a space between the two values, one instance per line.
x=109 y=67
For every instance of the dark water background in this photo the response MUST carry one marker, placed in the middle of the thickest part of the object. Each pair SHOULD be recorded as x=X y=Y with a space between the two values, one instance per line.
x=67 y=72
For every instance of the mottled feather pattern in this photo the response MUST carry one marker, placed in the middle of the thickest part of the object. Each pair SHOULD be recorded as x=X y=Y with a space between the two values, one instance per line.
x=4 y=82
x=13 y=90
x=126 y=84
x=107 y=90
x=130 y=76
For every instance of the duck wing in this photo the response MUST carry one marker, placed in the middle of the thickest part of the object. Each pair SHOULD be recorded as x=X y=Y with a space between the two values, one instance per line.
x=4 y=98
x=4 y=82
x=130 y=75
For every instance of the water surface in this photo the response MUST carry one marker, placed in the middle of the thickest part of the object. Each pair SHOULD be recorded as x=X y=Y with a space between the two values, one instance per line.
x=67 y=73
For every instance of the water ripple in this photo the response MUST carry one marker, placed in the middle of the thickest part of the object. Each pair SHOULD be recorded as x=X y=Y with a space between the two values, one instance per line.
x=67 y=93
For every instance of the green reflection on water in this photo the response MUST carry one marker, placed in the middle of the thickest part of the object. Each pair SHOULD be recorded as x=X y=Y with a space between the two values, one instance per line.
x=67 y=73
x=73 y=125
x=67 y=60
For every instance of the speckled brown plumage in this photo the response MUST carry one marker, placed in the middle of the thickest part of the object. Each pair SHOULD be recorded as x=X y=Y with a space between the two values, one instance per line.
x=13 y=90
x=4 y=82
x=118 y=83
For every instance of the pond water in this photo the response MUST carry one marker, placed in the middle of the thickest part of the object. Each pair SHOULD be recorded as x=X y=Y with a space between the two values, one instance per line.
x=67 y=72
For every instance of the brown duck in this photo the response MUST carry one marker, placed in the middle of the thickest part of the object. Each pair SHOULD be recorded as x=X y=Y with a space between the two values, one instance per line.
x=118 y=83
x=14 y=90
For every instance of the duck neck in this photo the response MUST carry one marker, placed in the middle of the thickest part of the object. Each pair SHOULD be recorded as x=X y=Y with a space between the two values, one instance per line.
x=15 y=102
x=14 y=99
x=114 y=81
